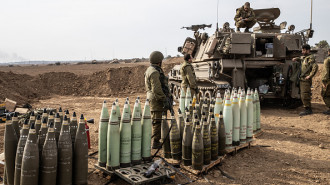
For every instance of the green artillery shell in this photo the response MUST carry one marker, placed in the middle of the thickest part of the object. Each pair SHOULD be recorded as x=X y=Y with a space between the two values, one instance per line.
x=113 y=142
x=249 y=107
x=146 y=132
x=186 y=143
x=60 y=112
x=67 y=114
x=129 y=108
x=258 y=109
x=48 y=163
x=214 y=139
x=58 y=125
x=73 y=127
x=103 y=132
x=206 y=142
x=175 y=140
x=254 y=102
x=181 y=123
x=164 y=131
x=236 y=120
x=125 y=138
x=218 y=107
x=182 y=101
x=138 y=98
x=243 y=116
x=10 y=146
x=19 y=153
x=15 y=124
x=118 y=110
x=64 y=173
x=30 y=161
x=188 y=98
x=42 y=136
x=136 y=134
x=44 y=115
x=38 y=124
x=32 y=118
x=197 y=149
x=80 y=155
x=221 y=135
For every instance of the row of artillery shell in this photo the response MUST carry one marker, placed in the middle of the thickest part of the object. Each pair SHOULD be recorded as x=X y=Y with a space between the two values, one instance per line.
x=35 y=155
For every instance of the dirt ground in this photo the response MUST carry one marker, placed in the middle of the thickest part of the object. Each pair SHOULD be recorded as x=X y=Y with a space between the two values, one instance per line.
x=288 y=151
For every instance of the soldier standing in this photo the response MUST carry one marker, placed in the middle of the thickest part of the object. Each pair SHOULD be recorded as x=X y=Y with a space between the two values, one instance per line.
x=158 y=93
x=308 y=70
x=188 y=75
x=245 y=17
x=326 y=83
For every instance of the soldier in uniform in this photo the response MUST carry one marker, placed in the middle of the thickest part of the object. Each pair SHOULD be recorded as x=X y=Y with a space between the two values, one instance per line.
x=188 y=75
x=307 y=72
x=158 y=93
x=326 y=83
x=245 y=17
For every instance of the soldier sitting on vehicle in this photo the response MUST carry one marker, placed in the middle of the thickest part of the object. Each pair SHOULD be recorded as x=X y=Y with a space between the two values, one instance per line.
x=245 y=17
x=226 y=28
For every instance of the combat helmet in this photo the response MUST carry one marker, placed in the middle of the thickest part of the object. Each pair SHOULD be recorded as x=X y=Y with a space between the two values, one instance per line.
x=156 y=57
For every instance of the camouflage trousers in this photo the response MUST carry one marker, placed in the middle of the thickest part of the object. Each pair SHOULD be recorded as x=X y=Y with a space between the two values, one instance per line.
x=156 y=117
x=245 y=24
x=326 y=94
x=306 y=93
x=193 y=91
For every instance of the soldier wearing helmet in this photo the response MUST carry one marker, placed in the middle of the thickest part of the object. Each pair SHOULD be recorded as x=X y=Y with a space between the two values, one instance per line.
x=188 y=75
x=326 y=83
x=245 y=17
x=158 y=92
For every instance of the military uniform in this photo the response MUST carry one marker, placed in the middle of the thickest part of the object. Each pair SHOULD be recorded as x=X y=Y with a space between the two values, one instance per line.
x=240 y=12
x=188 y=77
x=326 y=81
x=156 y=83
x=308 y=68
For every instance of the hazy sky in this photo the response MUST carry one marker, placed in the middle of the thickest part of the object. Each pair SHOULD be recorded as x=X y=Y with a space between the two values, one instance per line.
x=106 y=29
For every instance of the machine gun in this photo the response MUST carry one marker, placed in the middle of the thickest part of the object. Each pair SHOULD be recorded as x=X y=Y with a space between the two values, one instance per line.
x=196 y=27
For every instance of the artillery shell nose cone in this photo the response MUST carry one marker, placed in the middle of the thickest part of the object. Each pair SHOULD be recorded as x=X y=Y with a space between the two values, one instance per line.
x=211 y=109
x=38 y=117
x=81 y=116
x=44 y=120
x=187 y=119
x=60 y=109
x=32 y=113
x=8 y=117
x=204 y=114
x=57 y=115
x=74 y=114
x=196 y=117
x=194 y=108
x=138 y=97
x=205 y=120
x=126 y=102
x=104 y=101
x=45 y=110
x=179 y=110
x=187 y=109
x=127 y=98
x=220 y=112
x=51 y=113
x=15 y=114
x=190 y=102
x=197 y=122
x=67 y=112
x=51 y=124
x=65 y=118
x=26 y=121
x=212 y=116
x=32 y=126
x=116 y=99
x=114 y=103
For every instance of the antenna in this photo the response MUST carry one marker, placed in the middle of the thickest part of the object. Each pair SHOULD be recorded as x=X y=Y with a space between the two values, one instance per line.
x=311 y=14
x=217 y=14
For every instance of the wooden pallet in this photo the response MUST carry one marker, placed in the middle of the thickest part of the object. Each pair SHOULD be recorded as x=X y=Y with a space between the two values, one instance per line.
x=206 y=168
x=259 y=133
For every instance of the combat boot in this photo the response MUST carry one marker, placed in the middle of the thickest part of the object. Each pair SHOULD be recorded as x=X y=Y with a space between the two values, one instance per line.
x=307 y=111
x=327 y=112
x=156 y=145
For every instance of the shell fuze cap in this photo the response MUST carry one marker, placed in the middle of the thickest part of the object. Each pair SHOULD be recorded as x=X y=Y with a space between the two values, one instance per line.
x=187 y=57
x=156 y=57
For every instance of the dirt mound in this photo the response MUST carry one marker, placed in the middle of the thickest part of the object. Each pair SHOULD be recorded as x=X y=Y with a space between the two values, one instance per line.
x=24 y=88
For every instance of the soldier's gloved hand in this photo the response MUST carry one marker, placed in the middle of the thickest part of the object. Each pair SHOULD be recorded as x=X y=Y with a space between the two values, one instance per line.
x=166 y=105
